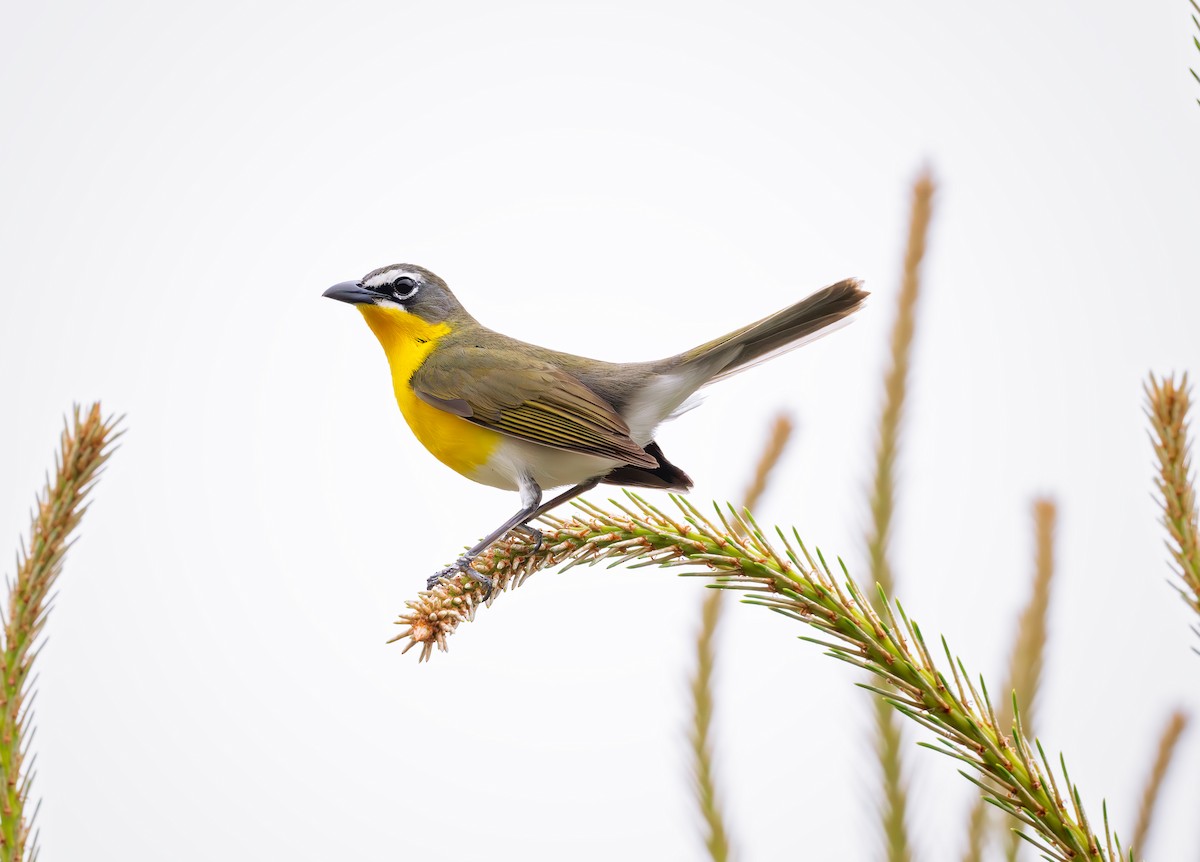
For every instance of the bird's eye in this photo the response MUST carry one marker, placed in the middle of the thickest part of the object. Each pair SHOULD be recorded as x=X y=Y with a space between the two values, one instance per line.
x=404 y=287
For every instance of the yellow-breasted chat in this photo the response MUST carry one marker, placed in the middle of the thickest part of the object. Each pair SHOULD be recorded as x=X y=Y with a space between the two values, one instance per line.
x=525 y=418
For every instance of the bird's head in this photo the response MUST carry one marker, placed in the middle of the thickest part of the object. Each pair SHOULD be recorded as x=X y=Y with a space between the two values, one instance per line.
x=401 y=289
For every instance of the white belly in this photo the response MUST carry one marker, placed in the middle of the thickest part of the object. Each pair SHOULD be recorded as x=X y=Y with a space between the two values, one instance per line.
x=549 y=467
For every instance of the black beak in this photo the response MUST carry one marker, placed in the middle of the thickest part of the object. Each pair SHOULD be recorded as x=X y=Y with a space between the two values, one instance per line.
x=351 y=292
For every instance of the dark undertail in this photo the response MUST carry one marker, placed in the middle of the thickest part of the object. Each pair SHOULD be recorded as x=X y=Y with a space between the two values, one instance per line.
x=666 y=475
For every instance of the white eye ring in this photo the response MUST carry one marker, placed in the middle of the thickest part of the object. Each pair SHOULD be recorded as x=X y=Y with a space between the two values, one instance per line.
x=409 y=295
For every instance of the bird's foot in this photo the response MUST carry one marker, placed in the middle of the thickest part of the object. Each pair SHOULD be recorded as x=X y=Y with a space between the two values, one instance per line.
x=533 y=533
x=462 y=565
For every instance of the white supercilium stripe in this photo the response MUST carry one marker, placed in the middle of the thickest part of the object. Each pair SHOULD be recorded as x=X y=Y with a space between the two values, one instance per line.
x=390 y=275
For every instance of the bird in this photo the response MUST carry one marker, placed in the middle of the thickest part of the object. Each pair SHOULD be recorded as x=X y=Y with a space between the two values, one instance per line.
x=526 y=418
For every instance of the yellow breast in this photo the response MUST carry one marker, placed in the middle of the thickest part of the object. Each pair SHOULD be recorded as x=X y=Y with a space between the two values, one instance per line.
x=407 y=340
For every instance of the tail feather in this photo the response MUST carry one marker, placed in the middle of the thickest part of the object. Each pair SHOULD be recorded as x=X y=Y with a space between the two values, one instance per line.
x=784 y=330
x=670 y=383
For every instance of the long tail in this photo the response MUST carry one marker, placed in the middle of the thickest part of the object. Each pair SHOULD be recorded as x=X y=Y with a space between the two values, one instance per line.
x=784 y=330
x=670 y=382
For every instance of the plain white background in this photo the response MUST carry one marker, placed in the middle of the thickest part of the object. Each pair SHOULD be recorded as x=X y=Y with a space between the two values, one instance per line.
x=622 y=180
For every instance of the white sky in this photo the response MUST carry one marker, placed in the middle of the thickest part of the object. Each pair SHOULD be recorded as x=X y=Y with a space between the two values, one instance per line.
x=623 y=180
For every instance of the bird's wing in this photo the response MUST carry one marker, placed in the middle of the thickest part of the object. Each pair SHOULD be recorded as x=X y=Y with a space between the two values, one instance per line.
x=531 y=399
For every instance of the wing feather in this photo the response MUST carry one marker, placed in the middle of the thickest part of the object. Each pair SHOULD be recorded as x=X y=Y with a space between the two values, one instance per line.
x=530 y=399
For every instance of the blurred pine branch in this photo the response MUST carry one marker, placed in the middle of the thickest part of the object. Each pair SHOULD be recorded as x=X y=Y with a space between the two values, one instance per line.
x=1024 y=668
x=780 y=435
x=1015 y=773
x=85 y=446
x=883 y=485
x=1174 y=728
x=888 y=735
x=1196 y=39
x=1025 y=664
x=1168 y=404
x=716 y=837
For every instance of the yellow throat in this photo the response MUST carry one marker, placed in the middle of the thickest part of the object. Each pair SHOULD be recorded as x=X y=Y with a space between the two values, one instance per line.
x=407 y=340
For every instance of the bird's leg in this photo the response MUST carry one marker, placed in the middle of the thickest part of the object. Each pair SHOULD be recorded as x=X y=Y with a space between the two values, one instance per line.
x=536 y=534
x=569 y=494
x=531 y=496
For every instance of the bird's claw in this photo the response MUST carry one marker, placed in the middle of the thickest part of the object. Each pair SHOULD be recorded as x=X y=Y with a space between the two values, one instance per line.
x=462 y=565
x=533 y=533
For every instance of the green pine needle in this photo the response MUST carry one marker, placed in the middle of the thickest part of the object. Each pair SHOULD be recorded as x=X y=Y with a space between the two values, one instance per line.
x=802 y=585
x=85 y=446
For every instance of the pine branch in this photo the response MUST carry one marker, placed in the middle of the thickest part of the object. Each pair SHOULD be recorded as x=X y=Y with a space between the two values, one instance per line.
x=716 y=838
x=1175 y=726
x=1196 y=40
x=85 y=446
x=888 y=736
x=977 y=830
x=1024 y=667
x=777 y=441
x=893 y=811
x=883 y=486
x=1168 y=404
x=797 y=586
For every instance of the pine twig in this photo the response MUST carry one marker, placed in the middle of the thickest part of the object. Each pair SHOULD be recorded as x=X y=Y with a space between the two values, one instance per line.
x=889 y=740
x=1024 y=667
x=777 y=441
x=895 y=386
x=1196 y=40
x=977 y=830
x=717 y=839
x=1168 y=404
x=85 y=446
x=802 y=588
x=1029 y=649
x=707 y=799
x=1174 y=728
x=888 y=736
